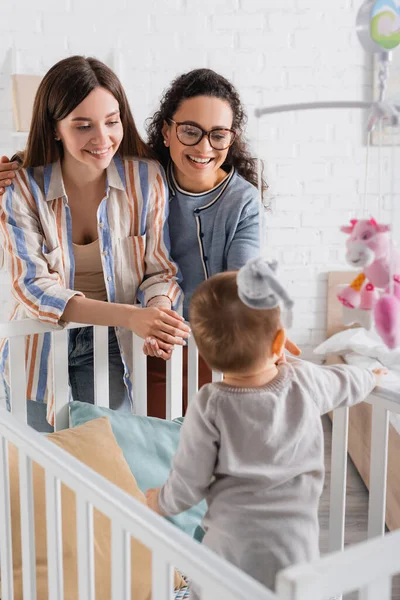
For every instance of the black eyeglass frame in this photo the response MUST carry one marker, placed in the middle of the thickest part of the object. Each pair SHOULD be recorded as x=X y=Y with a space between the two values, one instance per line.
x=207 y=133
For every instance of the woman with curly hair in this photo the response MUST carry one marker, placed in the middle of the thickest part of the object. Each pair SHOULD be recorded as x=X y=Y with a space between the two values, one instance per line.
x=198 y=135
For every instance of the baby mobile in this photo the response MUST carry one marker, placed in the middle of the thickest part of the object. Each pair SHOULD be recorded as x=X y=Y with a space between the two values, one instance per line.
x=374 y=294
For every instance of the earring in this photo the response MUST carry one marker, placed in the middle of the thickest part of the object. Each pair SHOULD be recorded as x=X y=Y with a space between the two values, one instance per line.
x=57 y=139
x=165 y=143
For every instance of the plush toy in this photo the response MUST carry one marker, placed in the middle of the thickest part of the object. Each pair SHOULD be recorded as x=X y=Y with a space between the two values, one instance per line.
x=369 y=247
x=260 y=288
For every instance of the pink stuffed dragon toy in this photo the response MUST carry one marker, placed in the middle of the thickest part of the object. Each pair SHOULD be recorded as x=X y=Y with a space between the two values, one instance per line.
x=370 y=248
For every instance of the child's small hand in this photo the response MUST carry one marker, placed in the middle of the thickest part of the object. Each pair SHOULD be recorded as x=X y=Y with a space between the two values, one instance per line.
x=152 y=500
x=153 y=347
x=379 y=373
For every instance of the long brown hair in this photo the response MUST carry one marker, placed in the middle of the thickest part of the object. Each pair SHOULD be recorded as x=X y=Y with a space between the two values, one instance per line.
x=65 y=86
x=205 y=82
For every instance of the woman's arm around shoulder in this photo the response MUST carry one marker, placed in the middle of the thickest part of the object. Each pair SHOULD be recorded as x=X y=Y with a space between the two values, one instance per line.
x=161 y=274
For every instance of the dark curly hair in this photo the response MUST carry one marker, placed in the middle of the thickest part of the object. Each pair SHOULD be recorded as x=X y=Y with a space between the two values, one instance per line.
x=205 y=82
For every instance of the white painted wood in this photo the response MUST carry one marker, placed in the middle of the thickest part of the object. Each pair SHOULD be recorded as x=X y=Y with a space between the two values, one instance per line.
x=139 y=379
x=101 y=368
x=193 y=369
x=382 y=589
x=378 y=471
x=215 y=591
x=85 y=546
x=120 y=563
x=54 y=536
x=27 y=526
x=338 y=478
x=61 y=382
x=361 y=565
x=174 y=384
x=217 y=376
x=126 y=514
x=162 y=577
x=17 y=378
x=7 y=583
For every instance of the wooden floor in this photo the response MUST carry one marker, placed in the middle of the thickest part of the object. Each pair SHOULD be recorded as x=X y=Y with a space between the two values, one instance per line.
x=356 y=508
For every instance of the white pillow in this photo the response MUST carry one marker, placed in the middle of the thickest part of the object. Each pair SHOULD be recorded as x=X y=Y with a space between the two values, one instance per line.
x=361 y=341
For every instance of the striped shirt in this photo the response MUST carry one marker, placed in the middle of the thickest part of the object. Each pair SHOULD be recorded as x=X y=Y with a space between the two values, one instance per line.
x=36 y=235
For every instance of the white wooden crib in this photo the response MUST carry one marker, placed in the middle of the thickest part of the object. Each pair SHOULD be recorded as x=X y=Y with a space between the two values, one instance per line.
x=368 y=566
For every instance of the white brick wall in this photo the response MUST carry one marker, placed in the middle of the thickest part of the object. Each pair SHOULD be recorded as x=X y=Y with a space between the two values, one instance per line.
x=275 y=51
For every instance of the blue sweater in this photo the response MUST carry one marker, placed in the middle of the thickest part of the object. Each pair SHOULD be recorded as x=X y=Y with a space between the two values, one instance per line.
x=213 y=231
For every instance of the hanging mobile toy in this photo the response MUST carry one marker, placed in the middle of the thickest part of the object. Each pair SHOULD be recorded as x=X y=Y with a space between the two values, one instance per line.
x=376 y=290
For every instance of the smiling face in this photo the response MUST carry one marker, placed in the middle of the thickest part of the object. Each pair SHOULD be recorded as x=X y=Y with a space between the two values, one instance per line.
x=198 y=168
x=92 y=132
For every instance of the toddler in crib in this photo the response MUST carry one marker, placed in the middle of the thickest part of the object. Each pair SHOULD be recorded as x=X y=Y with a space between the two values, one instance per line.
x=253 y=444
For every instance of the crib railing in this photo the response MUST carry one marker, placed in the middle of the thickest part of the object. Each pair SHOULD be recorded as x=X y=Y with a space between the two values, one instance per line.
x=368 y=567
x=382 y=402
x=170 y=547
x=16 y=332
x=131 y=519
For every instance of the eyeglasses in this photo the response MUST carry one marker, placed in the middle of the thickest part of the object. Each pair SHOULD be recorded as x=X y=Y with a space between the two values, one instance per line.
x=190 y=135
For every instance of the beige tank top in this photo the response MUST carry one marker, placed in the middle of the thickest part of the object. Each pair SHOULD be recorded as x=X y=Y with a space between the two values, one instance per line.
x=89 y=278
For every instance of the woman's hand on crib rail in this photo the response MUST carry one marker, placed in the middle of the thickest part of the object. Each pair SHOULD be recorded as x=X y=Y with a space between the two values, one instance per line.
x=152 y=500
x=161 y=323
x=152 y=346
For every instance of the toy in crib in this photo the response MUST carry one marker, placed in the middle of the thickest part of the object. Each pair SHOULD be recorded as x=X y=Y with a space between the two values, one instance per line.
x=260 y=288
x=376 y=290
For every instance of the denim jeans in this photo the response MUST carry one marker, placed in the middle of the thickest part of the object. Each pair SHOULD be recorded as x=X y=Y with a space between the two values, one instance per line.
x=81 y=377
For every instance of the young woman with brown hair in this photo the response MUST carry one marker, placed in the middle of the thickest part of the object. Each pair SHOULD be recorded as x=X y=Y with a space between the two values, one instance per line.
x=84 y=232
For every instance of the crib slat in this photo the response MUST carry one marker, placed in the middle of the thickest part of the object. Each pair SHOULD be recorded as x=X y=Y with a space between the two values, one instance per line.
x=54 y=537
x=139 y=377
x=215 y=591
x=18 y=378
x=193 y=369
x=120 y=564
x=85 y=545
x=162 y=577
x=382 y=589
x=174 y=384
x=338 y=478
x=101 y=368
x=61 y=387
x=7 y=583
x=217 y=376
x=378 y=471
x=27 y=526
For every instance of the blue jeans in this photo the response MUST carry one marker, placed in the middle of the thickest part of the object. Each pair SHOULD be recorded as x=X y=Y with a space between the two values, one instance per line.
x=81 y=377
